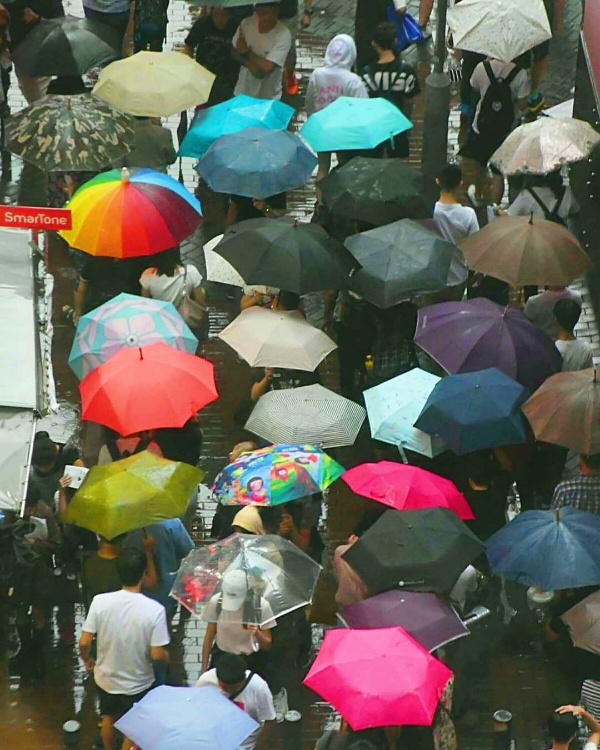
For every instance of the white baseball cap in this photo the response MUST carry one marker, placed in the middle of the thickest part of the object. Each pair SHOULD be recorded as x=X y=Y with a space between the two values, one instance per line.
x=234 y=589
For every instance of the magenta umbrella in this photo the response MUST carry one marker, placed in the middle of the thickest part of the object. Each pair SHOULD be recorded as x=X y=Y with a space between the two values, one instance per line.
x=378 y=678
x=474 y=335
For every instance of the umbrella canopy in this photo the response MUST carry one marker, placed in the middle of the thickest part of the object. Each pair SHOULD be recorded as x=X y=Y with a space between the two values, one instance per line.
x=475 y=410
x=400 y=261
x=405 y=487
x=501 y=30
x=475 y=335
x=378 y=190
x=545 y=145
x=423 y=550
x=66 y=46
x=583 y=621
x=430 y=621
x=276 y=475
x=147 y=388
x=148 y=210
x=242 y=569
x=217 y=268
x=154 y=84
x=126 y=320
x=525 y=250
x=394 y=406
x=285 y=254
x=276 y=338
x=349 y=123
x=377 y=678
x=125 y=495
x=70 y=133
x=188 y=719
x=552 y=549
x=257 y=163
x=565 y=410
x=310 y=414
x=562 y=111
x=232 y=116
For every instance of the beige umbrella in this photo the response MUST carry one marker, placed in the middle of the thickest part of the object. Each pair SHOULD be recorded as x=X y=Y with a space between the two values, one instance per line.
x=583 y=621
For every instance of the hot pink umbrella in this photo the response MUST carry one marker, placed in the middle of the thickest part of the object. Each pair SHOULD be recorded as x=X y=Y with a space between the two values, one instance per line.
x=406 y=487
x=378 y=678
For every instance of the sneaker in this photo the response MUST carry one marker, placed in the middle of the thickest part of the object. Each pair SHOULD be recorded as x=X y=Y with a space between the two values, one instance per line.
x=477 y=201
x=280 y=701
x=535 y=102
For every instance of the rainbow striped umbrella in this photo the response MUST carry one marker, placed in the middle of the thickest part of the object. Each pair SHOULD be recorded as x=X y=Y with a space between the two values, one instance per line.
x=130 y=213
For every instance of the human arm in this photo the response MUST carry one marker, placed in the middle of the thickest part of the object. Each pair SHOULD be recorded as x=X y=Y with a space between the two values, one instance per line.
x=79 y=299
x=85 y=645
x=309 y=99
x=207 y=644
x=307 y=14
x=588 y=720
x=250 y=300
x=159 y=639
x=262 y=637
x=150 y=574
x=63 y=483
x=260 y=67
x=557 y=21
x=260 y=388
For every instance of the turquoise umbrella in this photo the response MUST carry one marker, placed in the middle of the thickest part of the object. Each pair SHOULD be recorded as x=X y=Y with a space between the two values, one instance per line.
x=354 y=124
x=126 y=320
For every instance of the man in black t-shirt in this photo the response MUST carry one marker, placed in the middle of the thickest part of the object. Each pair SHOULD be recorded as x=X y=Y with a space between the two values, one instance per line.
x=48 y=461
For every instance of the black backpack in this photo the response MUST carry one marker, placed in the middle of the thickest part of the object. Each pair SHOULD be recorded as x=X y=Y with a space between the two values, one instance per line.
x=497 y=111
x=550 y=215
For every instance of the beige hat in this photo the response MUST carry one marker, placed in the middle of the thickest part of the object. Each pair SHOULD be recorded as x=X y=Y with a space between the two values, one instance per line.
x=248 y=518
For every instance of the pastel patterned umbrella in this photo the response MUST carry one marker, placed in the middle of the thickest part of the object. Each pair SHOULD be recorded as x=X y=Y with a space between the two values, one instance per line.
x=126 y=320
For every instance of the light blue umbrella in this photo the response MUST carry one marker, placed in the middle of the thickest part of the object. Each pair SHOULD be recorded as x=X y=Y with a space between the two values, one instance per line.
x=354 y=124
x=231 y=116
x=257 y=163
x=186 y=719
x=126 y=320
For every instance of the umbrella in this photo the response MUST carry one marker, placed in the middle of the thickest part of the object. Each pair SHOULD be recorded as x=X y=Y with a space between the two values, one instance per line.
x=503 y=30
x=400 y=261
x=266 y=567
x=231 y=116
x=147 y=388
x=475 y=335
x=430 y=621
x=378 y=190
x=583 y=621
x=257 y=163
x=285 y=254
x=565 y=410
x=70 y=133
x=310 y=414
x=525 y=250
x=277 y=338
x=426 y=550
x=552 y=549
x=349 y=123
x=126 y=320
x=66 y=46
x=378 y=678
x=545 y=145
x=393 y=408
x=125 y=495
x=475 y=410
x=562 y=111
x=188 y=719
x=405 y=487
x=276 y=475
x=147 y=212
x=154 y=84
x=217 y=268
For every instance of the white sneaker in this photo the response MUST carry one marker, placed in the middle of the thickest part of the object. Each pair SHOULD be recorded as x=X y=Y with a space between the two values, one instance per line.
x=477 y=201
x=280 y=701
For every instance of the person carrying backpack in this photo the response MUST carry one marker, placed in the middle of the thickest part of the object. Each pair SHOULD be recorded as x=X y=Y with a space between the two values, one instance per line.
x=150 y=25
x=545 y=196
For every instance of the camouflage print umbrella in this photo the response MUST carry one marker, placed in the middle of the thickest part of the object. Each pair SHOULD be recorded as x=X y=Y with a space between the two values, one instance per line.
x=70 y=134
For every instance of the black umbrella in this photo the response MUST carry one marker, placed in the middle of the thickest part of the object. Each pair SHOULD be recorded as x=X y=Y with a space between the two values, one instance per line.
x=67 y=46
x=423 y=550
x=378 y=191
x=403 y=260
x=282 y=253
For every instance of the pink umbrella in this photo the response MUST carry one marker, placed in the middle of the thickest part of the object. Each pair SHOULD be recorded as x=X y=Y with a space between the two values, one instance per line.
x=378 y=678
x=406 y=487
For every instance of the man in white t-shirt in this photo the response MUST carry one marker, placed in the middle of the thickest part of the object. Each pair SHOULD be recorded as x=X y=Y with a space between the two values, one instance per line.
x=248 y=691
x=540 y=308
x=131 y=636
x=454 y=221
x=563 y=727
x=576 y=354
x=261 y=44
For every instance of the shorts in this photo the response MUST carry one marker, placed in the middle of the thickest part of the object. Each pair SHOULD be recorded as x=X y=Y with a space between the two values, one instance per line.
x=117 y=704
x=481 y=147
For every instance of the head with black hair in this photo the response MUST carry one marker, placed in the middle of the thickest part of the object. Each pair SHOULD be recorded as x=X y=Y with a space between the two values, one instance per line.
x=566 y=313
x=562 y=727
x=450 y=178
x=287 y=300
x=44 y=452
x=384 y=37
x=168 y=261
x=231 y=672
x=131 y=566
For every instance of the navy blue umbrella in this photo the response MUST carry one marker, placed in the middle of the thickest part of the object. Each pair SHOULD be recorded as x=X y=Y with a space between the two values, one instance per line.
x=475 y=410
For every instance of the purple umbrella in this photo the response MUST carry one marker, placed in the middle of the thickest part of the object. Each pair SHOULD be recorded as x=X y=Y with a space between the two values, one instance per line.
x=430 y=621
x=475 y=335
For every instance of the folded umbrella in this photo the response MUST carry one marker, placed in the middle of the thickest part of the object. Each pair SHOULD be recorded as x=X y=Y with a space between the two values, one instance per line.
x=583 y=621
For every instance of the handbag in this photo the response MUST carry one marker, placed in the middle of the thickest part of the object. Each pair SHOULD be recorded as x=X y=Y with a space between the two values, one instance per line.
x=408 y=30
x=190 y=310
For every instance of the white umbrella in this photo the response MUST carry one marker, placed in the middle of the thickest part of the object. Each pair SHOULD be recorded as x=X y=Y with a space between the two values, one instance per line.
x=220 y=270
x=583 y=621
x=502 y=29
x=562 y=111
x=274 y=338
x=310 y=414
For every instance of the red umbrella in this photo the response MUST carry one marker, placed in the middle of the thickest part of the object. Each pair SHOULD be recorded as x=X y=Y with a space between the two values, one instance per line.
x=406 y=487
x=147 y=388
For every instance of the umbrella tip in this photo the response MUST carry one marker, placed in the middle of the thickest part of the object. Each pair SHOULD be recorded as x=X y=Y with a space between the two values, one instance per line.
x=141 y=353
x=125 y=175
x=557 y=515
x=531 y=218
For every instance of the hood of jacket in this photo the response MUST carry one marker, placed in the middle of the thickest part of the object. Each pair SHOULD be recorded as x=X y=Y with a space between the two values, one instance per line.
x=341 y=52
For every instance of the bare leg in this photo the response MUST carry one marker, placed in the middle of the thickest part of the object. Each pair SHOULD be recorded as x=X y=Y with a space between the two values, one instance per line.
x=538 y=71
x=107 y=732
x=425 y=8
x=497 y=187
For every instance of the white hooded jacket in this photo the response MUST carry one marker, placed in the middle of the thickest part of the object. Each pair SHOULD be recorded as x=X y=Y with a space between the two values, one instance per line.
x=335 y=79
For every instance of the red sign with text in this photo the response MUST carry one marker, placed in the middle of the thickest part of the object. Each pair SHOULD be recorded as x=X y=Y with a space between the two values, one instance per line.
x=31 y=217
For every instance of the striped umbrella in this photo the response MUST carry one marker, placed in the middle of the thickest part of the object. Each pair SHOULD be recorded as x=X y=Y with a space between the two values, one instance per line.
x=310 y=414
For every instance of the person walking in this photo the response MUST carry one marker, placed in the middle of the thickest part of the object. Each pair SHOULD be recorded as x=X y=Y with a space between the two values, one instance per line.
x=540 y=308
x=454 y=221
x=563 y=727
x=576 y=354
x=583 y=491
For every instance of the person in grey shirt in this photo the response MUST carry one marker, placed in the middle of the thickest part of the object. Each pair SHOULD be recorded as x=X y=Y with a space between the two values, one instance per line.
x=153 y=147
x=576 y=354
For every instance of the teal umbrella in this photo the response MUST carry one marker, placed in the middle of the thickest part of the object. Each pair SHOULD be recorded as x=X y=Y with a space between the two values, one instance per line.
x=354 y=124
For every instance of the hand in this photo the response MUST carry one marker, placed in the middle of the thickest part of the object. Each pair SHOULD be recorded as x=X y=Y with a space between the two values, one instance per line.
x=305 y=20
x=242 y=45
x=252 y=628
x=260 y=205
x=286 y=525
x=89 y=664
x=64 y=482
x=76 y=317
x=29 y=16
x=575 y=710
x=268 y=373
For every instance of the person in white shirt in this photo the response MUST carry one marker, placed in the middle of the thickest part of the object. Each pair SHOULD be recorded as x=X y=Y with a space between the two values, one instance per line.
x=454 y=221
x=576 y=354
x=261 y=44
x=545 y=196
x=563 y=727
x=131 y=636
x=540 y=308
x=248 y=691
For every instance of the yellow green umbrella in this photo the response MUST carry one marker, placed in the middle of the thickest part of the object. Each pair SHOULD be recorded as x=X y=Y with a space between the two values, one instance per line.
x=134 y=492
